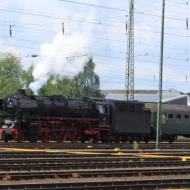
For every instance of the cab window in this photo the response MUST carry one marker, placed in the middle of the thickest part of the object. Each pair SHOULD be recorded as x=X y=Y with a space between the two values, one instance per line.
x=164 y=117
x=101 y=108
x=186 y=116
x=170 y=115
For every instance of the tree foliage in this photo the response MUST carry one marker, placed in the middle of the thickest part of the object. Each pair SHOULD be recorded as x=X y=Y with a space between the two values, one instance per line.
x=87 y=81
x=57 y=85
x=10 y=74
x=13 y=76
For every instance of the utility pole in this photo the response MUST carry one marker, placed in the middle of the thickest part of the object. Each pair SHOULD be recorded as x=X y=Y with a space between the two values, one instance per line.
x=159 y=110
x=63 y=29
x=129 y=73
x=10 y=30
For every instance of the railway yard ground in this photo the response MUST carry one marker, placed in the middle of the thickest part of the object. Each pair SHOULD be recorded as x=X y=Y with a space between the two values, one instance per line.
x=87 y=166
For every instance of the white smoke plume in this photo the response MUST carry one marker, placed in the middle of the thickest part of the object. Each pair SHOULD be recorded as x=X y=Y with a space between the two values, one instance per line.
x=64 y=56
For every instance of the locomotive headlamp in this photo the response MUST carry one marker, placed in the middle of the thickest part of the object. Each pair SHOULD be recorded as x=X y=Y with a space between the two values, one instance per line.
x=11 y=103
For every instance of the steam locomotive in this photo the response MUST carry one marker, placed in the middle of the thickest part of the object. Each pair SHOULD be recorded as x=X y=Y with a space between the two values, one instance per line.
x=57 y=118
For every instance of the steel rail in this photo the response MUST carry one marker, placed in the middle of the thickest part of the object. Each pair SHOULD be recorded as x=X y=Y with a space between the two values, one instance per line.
x=87 y=165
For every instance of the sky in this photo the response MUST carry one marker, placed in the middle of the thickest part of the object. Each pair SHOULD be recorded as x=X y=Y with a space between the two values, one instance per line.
x=97 y=28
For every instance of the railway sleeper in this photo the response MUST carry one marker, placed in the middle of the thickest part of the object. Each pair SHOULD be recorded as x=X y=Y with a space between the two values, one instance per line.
x=102 y=185
x=93 y=174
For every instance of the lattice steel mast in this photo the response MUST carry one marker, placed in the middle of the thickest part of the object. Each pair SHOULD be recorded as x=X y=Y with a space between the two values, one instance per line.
x=129 y=75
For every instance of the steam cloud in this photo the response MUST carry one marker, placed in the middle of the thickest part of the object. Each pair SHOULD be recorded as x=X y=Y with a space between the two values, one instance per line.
x=64 y=56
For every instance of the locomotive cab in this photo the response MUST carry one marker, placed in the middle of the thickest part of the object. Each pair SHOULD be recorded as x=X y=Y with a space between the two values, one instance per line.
x=104 y=113
x=104 y=109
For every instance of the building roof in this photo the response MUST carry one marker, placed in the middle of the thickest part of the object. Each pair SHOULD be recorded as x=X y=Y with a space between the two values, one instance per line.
x=168 y=108
x=166 y=100
x=146 y=95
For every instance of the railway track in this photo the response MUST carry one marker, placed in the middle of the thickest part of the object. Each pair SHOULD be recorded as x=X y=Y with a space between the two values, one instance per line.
x=77 y=166
x=96 y=173
x=104 y=184
x=81 y=159
x=68 y=145
x=104 y=170
x=92 y=155
x=33 y=161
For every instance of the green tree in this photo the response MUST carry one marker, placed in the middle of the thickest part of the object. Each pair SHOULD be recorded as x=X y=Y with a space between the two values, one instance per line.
x=87 y=81
x=57 y=85
x=11 y=74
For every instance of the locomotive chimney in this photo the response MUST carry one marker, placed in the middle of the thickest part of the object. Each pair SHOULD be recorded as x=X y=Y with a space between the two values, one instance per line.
x=21 y=92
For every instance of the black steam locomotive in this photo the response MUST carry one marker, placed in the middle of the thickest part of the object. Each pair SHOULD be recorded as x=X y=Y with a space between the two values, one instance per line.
x=62 y=119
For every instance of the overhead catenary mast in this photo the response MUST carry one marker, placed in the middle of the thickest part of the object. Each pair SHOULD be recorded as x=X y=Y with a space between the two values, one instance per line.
x=129 y=74
x=159 y=110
